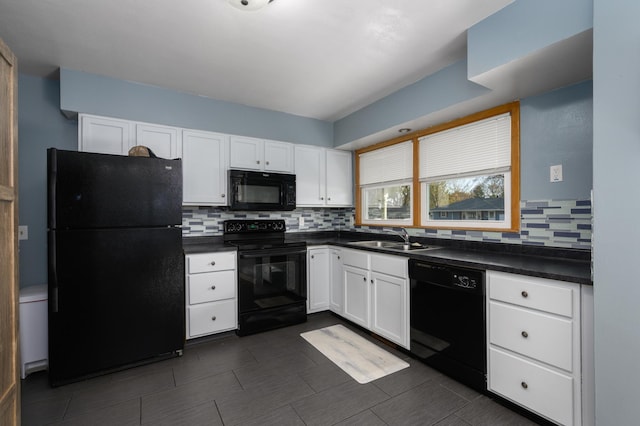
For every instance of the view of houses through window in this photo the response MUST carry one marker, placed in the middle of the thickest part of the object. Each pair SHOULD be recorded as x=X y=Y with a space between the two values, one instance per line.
x=475 y=198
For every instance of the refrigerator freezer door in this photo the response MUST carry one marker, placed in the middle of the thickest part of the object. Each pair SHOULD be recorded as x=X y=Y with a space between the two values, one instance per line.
x=89 y=190
x=116 y=298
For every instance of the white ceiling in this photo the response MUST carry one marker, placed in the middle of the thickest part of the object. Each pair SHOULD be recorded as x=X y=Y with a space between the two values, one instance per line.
x=315 y=58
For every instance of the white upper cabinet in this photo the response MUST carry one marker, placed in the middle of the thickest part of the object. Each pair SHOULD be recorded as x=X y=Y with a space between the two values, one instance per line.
x=162 y=140
x=310 y=175
x=278 y=156
x=105 y=135
x=114 y=136
x=259 y=154
x=339 y=178
x=204 y=168
x=324 y=177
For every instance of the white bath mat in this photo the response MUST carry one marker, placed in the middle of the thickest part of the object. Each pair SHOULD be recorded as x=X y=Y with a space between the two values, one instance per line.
x=361 y=359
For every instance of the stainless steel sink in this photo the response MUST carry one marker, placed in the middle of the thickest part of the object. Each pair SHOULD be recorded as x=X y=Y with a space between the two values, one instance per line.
x=392 y=245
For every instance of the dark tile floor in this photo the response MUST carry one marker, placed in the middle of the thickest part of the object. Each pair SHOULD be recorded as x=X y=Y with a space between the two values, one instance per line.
x=272 y=378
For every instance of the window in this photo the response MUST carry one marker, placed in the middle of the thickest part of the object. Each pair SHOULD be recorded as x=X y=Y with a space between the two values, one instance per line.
x=462 y=174
x=473 y=187
x=386 y=185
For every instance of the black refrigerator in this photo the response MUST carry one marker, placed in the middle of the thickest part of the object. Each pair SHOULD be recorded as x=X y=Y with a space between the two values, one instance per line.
x=116 y=265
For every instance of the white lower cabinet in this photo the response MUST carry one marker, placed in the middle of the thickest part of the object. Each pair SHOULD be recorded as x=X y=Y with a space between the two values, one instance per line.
x=211 y=302
x=336 y=290
x=376 y=294
x=318 y=279
x=324 y=279
x=534 y=344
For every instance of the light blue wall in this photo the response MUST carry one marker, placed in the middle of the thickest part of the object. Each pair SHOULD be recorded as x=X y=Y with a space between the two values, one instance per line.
x=40 y=126
x=436 y=92
x=94 y=94
x=522 y=28
x=557 y=128
x=616 y=176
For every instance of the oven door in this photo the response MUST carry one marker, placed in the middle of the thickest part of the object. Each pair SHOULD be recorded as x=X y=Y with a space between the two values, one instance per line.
x=272 y=288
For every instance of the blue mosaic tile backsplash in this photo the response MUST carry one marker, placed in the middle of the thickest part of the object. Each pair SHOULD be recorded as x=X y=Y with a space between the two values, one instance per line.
x=553 y=223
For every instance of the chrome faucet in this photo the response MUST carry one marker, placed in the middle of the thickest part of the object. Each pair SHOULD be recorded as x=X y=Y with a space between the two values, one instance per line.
x=404 y=234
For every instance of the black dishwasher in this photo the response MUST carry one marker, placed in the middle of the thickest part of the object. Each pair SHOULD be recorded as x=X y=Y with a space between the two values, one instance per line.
x=448 y=320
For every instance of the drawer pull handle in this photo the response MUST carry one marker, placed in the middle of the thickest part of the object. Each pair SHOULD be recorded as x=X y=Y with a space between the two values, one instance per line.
x=213 y=287
x=524 y=294
x=525 y=334
x=338 y=257
x=364 y=279
x=213 y=318
x=524 y=385
x=312 y=256
x=213 y=263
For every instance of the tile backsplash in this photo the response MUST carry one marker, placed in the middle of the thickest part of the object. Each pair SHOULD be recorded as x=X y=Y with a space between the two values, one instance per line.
x=553 y=223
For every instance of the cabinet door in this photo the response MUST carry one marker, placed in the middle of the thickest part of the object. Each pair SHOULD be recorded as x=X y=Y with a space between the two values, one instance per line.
x=356 y=295
x=162 y=140
x=310 y=176
x=278 y=157
x=104 y=135
x=336 y=293
x=204 y=175
x=389 y=314
x=318 y=282
x=339 y=178
x=246 y=153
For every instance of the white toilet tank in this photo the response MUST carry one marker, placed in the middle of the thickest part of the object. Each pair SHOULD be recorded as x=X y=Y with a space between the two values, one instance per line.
x=34 y=333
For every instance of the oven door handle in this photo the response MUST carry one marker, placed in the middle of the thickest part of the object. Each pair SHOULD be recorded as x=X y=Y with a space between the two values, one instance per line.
x=270 y=252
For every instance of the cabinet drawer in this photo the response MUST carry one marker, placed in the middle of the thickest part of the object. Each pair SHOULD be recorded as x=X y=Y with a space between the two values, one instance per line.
x=541 y=390
x=213 y=317
x=210 y=262
x=359 y=259
x=211 y=286
x=536 y=335
x=537 y=293
x=390 y=265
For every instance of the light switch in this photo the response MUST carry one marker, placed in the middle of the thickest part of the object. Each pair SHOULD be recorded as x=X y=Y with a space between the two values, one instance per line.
x=23 y=232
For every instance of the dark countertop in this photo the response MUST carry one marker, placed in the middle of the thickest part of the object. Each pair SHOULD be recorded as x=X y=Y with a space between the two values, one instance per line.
x=545 y=262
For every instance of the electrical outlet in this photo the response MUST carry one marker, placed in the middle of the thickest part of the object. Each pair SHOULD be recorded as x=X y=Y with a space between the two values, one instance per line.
x=23 y=232
x=301 y=222
x=555 y=173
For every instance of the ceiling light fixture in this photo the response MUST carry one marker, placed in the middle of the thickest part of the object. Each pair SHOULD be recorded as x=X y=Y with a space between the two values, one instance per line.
x=404 y=130
x=249 y=4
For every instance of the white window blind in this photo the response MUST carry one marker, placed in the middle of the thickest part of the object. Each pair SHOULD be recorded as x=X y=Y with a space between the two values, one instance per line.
x=389 y=164
x=480 y=146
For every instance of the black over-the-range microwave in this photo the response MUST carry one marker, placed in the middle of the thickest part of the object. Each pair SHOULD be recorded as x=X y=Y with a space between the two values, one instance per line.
x=261 y=190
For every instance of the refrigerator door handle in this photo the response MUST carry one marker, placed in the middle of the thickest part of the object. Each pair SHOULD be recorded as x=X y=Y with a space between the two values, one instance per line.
x=53 y=274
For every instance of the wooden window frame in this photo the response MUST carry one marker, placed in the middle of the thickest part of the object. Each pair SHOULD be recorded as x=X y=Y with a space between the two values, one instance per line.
x=513 y=108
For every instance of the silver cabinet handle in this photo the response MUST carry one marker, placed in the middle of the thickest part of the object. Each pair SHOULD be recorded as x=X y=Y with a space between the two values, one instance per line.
x=364 y=279
x=322 y=198
x=222 y=195
x=257 y=161
x=525 y=334
x=524 y=294
x=213 y=263
x=213 y=287
x=267 y=163
x=371 y=281
x=213 y=318
x=524 y=385
x=312 y=256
